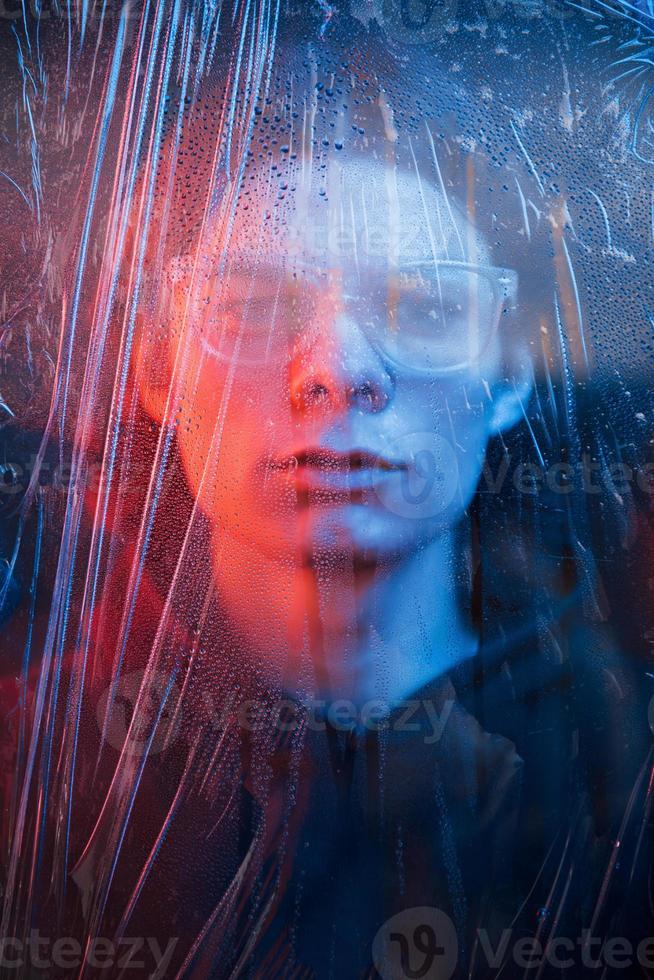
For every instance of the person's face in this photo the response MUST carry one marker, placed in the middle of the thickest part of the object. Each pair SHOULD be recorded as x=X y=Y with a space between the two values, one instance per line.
x=339 y=361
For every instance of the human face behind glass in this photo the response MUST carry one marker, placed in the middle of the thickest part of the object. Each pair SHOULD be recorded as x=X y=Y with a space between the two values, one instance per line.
x=341 y=347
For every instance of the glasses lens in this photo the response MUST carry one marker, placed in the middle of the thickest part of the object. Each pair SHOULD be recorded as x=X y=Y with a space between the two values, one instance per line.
x=437 y=318
x=253 y=315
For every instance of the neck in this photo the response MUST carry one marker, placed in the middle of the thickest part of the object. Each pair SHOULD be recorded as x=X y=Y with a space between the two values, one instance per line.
x=359 y=632
x=383 y=632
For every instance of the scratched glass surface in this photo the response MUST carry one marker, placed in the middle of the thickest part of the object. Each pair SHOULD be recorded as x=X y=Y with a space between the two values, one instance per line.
x=326 y=476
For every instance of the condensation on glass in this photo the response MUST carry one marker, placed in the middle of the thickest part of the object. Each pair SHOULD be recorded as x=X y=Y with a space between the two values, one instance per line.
x=325 y=525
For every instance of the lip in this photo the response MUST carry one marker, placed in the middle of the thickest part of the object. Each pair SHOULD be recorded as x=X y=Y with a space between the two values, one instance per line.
x=334 y=473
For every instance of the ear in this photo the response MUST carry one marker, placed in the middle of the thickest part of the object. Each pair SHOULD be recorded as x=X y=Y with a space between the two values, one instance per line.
x=510 y=398
x=156 y=340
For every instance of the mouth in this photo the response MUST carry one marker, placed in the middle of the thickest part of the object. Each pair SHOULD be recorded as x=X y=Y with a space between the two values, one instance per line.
x=336 y=474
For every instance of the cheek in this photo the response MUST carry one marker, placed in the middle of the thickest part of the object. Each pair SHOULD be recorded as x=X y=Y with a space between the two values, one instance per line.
x=227 y=426
x=468 y=436
x=442 y=429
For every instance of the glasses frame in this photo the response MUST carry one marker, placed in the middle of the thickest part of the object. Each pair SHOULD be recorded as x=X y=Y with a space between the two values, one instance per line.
x=506 y=302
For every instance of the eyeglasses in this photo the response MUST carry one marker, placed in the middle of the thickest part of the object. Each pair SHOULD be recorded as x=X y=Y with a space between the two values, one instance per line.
x=440 y=316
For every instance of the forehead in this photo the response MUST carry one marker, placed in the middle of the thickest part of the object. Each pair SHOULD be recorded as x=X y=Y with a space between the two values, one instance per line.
x=363 y=208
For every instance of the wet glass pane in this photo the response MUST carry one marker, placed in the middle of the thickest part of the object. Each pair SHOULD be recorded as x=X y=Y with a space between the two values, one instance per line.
x=326 y=489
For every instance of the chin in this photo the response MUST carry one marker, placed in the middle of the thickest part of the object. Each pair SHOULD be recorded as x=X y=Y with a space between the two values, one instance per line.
x=359 y=534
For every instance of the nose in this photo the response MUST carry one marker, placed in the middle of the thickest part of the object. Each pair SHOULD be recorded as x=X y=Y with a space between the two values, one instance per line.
x=339 y=369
